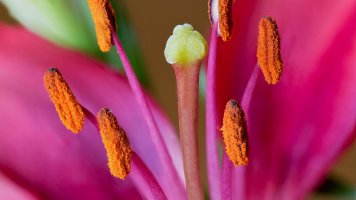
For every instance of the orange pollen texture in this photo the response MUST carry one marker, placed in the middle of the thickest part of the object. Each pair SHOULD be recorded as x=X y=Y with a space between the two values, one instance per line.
x=268 y=50
x=104 y=21
x=116 y=144
x=225 y=18
x=234 y=131
x=69 y=110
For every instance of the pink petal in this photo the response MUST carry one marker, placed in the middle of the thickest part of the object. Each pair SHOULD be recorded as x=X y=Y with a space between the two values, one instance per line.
x=34 y=143
x=11 y=190
x=305 y=121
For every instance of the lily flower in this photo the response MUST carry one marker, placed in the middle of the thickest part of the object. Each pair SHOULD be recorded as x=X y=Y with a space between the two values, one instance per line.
x=280 y=135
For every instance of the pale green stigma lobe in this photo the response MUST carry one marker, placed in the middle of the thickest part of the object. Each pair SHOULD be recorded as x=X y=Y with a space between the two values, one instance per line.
x=185 y=46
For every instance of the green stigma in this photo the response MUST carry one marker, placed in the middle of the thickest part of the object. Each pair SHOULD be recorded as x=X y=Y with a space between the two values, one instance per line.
x=185 y=46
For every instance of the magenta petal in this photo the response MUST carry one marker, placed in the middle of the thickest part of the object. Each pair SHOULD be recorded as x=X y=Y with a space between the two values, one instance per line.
x=36 y=147
x=298 y=127
x=12 y=190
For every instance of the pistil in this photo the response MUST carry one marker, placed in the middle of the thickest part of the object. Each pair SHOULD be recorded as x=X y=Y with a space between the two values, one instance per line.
x=184 y=50
x=187 y=91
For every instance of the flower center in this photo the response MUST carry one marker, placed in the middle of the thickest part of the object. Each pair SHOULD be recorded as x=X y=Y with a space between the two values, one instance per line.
x=185 y=50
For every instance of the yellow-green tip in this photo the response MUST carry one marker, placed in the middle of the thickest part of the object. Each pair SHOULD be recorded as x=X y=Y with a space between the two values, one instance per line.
x=185 y=46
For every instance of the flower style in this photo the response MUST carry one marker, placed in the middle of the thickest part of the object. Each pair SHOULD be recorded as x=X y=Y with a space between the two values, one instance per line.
x=281 y=133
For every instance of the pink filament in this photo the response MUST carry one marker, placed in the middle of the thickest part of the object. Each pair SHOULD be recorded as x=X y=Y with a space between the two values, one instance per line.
x=90 y=116
x=227 y=166
x=250 y=87
x=211 y=120
x=151 y=123
x=144 y=179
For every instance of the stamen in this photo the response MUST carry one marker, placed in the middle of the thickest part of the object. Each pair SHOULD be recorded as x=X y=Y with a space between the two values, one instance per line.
x=116 y=144
x=104 y=21
x=268 y=50
x=225 y=19
x=234 y=132
x=220 y=11
x=69 y=110
x=185 y=50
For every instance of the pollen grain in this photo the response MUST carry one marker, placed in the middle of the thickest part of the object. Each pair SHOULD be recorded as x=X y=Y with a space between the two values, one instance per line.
x=234 y=131
x=268 y=50
x=104 y=21
x=116 y=144
x=69 y=110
